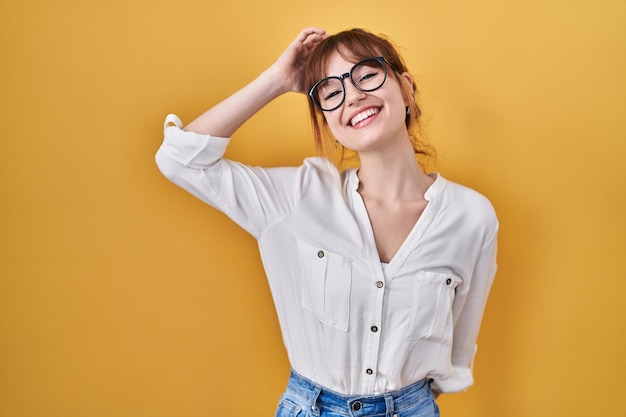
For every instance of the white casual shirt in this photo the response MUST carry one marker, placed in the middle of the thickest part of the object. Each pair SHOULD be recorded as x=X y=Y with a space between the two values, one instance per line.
x=350 y=323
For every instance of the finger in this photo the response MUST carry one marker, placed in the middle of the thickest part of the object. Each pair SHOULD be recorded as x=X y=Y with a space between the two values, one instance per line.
x=313 y=40
x=305 y=33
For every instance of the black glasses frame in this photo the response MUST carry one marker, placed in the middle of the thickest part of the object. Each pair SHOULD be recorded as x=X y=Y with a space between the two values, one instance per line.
x=342 y=77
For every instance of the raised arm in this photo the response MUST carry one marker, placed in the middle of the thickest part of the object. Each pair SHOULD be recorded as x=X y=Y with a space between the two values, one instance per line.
x=283 y=76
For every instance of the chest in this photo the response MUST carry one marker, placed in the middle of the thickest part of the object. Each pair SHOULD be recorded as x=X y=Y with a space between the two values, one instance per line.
x=391 y=224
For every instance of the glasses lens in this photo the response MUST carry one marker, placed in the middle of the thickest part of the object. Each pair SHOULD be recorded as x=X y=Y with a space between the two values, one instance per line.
x=329 y=93
x=368 y=75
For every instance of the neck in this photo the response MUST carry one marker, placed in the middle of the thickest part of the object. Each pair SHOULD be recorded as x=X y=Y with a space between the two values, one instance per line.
x=392 y=174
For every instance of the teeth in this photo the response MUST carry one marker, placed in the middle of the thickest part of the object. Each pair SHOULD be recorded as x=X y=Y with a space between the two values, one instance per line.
x=362 y=116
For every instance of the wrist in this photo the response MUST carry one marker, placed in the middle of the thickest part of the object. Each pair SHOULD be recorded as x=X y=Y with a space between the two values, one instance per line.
x=278 y=81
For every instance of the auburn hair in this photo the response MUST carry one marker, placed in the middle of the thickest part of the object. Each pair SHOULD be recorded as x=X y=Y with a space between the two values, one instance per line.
x=354 y=45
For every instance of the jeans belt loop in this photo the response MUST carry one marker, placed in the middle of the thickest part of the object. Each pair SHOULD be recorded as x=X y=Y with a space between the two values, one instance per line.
x=389 y=404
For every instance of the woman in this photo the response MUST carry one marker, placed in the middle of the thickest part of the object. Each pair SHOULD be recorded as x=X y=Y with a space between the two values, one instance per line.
x=379 y=273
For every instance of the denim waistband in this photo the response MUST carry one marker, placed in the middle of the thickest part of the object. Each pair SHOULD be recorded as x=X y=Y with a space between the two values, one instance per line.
x=320 y=399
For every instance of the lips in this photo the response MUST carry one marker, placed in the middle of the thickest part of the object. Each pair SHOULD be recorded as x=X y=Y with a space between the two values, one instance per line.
x=365 y=114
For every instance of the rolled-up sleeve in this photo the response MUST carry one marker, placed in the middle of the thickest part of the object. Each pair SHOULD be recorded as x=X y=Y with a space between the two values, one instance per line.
x=189 y=149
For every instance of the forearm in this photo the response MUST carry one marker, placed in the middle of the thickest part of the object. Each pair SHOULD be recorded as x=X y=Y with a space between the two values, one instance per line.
x=226 y=117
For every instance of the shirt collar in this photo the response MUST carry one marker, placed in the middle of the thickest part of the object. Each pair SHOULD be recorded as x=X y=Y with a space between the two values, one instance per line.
x=433 y=191
x=436 y=187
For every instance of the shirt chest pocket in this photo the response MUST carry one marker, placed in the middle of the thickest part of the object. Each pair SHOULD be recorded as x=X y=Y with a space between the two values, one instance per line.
x=325 y=285
x=431 y=310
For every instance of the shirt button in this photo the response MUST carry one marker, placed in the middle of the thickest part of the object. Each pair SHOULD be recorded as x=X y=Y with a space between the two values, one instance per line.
x=320 y=254
x=374 y=329
x=356 y=406
x=369 y=371
x=448 y=281
x=379 y=284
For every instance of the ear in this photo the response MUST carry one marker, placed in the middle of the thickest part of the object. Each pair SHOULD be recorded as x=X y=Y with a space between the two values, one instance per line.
x=407 y=79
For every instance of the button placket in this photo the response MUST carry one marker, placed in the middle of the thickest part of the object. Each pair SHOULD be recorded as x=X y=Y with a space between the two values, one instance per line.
x=376 y=301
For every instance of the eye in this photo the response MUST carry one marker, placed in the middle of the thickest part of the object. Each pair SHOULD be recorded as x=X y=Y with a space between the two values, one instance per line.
x=371 y=73
x=368 y=73
x=330 y=89
x=331 y=94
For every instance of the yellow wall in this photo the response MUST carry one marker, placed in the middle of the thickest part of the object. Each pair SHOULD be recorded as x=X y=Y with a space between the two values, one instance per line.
x=120 y=295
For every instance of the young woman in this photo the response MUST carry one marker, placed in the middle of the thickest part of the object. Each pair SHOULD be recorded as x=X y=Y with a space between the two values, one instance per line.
x=379 y=273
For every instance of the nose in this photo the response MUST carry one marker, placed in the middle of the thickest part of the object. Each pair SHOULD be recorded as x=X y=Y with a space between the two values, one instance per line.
x=353 y=94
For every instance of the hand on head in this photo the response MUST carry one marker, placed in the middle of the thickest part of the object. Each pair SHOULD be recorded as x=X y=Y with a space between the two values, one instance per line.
x=292 y=61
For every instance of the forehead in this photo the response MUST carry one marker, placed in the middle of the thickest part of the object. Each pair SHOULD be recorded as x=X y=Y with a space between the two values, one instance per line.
x=339 y=64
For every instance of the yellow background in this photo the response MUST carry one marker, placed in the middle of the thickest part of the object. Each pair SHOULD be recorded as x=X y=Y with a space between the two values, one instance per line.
x=121 y=295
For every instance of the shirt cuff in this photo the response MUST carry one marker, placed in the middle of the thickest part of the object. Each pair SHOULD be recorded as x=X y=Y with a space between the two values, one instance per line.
x=191 y=149
x=460 y=380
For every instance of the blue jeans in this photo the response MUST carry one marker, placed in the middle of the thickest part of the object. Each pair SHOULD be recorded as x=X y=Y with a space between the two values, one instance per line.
x=305 y=398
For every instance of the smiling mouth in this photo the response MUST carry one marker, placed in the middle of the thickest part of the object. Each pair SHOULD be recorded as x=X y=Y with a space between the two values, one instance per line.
x=364 y=115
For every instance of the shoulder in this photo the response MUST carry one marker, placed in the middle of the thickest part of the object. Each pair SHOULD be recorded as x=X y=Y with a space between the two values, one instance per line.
x=466 y=195
x=320 y=175
x=321 y=165
x=321 y=169
x=469 y=203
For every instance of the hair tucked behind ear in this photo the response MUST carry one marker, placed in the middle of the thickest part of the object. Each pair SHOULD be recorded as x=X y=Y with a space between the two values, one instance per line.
x=355 y=45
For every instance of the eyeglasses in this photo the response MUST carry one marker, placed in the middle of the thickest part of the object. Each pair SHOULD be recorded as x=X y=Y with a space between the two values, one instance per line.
x=367 y=75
